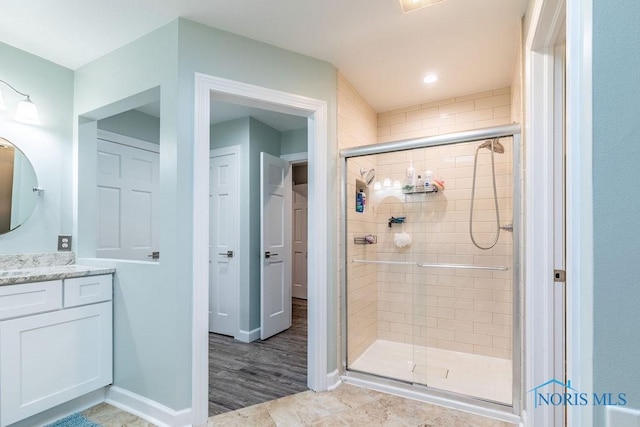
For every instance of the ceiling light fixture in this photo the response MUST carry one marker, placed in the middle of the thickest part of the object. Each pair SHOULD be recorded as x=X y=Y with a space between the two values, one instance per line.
x=411 y=5
x=430 y=78
x=26 y=111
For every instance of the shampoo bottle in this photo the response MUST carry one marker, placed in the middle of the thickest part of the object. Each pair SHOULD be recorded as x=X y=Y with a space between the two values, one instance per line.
x=359 y=205
x=411 y=176
x=428 y=179
x=364 y=200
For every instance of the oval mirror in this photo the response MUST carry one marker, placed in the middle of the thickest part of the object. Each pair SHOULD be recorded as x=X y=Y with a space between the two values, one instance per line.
x=17 y=182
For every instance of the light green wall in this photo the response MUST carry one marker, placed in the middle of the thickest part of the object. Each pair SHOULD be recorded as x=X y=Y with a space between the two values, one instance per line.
x=616 y=199
x=153 y=302
x=134 y=124
x=48 y=146
x=293 y=141
x=231 y=132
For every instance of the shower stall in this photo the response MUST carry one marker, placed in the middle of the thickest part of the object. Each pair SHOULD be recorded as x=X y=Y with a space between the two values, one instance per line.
x=430 y=286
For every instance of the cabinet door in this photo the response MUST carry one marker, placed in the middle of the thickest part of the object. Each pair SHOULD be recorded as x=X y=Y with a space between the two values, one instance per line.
x=50 y=358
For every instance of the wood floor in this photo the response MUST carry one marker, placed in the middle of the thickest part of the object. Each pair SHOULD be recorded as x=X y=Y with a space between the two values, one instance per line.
x=242 y=374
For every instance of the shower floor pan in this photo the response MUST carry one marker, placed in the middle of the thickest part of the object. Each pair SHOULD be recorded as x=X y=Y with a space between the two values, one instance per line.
x=488 y=378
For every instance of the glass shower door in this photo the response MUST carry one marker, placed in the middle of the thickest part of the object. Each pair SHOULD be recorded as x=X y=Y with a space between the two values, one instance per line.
x=382 y=247
x=430 y=282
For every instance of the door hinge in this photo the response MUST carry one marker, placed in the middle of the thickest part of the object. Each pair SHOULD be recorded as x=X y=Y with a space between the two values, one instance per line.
x=559 y=276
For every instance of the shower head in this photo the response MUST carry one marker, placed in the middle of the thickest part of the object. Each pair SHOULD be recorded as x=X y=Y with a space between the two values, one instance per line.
x=368 y=175
x=493 y=143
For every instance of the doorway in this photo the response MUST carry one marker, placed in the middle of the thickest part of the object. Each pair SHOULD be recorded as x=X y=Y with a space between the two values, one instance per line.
x=274 y=363
x=299 y=218
x=252 y=221
x=315 y=111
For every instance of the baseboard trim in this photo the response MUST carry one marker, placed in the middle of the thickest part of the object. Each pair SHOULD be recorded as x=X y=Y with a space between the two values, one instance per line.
x=147 y=409
x=333 y=380
x=248 y=336
x=621 y=417
x=78 y=404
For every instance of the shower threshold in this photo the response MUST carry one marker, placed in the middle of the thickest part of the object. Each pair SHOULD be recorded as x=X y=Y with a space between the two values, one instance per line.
x=484 y=377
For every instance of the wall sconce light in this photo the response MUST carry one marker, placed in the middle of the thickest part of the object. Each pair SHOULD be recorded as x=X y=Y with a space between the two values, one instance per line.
x=26 y=111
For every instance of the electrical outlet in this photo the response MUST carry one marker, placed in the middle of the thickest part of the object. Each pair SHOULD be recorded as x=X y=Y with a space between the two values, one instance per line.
x=64 y=243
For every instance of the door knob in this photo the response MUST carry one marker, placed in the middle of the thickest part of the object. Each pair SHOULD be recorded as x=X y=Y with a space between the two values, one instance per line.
x=228 y=254
x=269 y=254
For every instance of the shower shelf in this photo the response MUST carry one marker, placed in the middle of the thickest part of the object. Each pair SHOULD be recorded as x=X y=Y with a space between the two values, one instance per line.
x=366 y=240
x=419 y=190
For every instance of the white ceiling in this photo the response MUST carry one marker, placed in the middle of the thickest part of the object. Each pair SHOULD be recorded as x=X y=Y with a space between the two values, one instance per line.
x=384 y=53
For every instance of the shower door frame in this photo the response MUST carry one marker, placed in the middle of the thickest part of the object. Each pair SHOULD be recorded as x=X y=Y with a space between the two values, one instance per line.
x=427 y=393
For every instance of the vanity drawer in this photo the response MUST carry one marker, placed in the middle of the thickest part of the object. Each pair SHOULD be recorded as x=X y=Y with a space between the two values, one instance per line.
x=30 y=298
x=88 y=290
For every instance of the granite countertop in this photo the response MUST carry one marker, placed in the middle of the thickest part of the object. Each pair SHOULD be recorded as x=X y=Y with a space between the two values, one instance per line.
x=54 y=272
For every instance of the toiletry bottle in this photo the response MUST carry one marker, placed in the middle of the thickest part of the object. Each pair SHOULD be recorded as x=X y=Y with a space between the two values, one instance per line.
x=359 y=207
x=419 y=183
x=428 y=180
x=411 y=175
x=364 y=200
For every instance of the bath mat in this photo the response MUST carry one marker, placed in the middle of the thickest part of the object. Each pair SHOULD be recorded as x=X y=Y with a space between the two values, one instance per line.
x=74 y=420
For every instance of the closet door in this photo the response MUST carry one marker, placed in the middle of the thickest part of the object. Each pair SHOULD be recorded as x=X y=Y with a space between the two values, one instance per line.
x=127 y=200
x=224 y=263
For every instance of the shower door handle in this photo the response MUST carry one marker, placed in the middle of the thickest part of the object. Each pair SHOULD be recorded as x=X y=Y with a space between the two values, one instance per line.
x=507 y=227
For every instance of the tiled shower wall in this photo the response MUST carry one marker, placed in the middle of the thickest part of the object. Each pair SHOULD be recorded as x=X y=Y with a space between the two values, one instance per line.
x=460 y=310
x=357 y=126
x=456 y=310
x=480 y=110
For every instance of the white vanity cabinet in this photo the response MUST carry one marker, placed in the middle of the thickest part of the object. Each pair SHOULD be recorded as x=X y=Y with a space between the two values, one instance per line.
x=55 y=343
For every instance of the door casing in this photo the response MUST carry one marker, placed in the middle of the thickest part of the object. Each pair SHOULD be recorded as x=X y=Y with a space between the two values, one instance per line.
x=206 y=88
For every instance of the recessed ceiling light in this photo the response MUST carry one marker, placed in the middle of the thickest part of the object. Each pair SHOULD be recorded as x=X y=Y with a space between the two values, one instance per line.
x=411 y=5
x=430 y=78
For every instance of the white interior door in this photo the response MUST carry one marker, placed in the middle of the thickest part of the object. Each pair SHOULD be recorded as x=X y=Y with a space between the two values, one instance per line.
x=275 y=241
x=559 y=246
x=224 y=241
x=127 y=178
x=300 y=214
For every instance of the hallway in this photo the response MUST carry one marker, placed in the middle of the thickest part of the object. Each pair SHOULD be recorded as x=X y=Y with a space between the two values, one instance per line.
x=245 y=374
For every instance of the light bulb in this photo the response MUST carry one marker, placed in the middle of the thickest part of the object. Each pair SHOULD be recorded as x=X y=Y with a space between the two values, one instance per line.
x=27 y=112
x=431 y=78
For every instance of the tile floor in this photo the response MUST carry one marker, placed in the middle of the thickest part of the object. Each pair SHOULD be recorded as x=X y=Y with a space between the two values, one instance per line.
x=347 y=405
x=470 y=374
x=110 y=416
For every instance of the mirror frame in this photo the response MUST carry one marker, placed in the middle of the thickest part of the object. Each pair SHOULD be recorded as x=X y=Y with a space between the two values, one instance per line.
x=16 y=208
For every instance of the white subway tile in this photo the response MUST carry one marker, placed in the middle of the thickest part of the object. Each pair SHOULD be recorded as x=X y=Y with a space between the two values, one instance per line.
x=471 y=338
x=492 y=329
x=457 y=325
x=493 y=101
x=458 y=107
